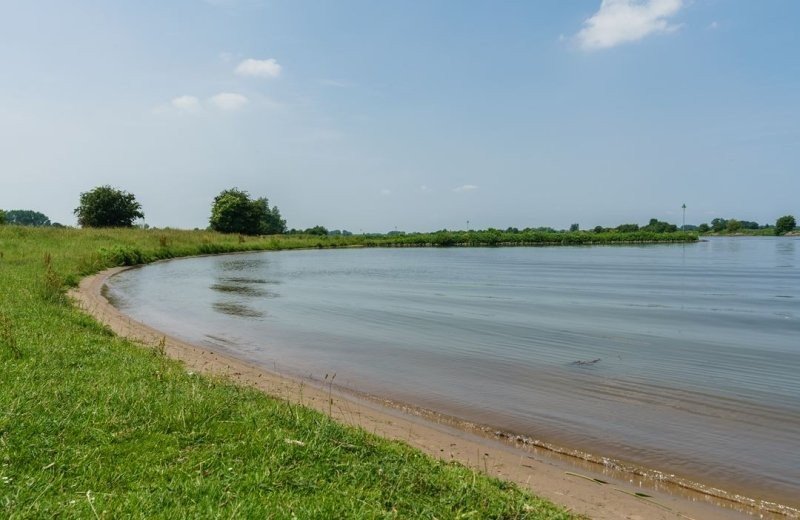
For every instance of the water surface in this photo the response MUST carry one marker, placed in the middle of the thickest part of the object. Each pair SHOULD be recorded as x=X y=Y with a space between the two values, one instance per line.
x=683 y=358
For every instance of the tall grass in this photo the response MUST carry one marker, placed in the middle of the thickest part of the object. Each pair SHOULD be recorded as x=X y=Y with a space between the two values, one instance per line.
x=93 y=426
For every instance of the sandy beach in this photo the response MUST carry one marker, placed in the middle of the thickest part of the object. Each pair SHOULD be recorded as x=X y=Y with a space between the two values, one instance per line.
x=554 y=476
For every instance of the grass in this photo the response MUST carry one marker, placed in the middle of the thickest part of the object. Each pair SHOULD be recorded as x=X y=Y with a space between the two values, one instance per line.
x=94 y=426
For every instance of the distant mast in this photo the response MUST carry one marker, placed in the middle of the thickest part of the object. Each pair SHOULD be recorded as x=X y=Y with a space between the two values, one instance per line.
x=683 y=225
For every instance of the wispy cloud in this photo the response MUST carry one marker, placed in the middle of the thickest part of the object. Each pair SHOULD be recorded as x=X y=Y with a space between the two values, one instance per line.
x=186 y=103
x=386 y=192
x=269 y=68
x=465 y=188
x=228 y=101
x=424 y=188
x=624 y=21
x=713 y=25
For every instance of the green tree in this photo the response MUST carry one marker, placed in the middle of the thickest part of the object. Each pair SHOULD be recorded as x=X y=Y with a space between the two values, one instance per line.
x=575 y=227
x=26 y=217
x=2 y=217
x=105 y=206
x=316 y=230
x=785 y=224
x=733 y=226
x=657 y=226
x=234 y=211
x=718 y=224
x=704 y=228
x=628 y=228
x=748 y=224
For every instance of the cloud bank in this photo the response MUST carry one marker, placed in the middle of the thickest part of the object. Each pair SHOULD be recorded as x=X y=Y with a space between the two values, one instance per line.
x=624 y=21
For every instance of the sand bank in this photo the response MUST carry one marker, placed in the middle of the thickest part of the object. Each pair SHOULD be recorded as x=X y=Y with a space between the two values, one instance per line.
x=561 y=479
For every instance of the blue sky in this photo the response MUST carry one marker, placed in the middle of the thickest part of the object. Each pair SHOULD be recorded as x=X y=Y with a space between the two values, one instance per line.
x=422 y=115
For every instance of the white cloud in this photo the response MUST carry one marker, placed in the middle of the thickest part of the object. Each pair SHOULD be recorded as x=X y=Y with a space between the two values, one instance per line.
x=713 y=25
x=269 y=68
x=465 y=187
x=424 y=188
x=386 y=192
x=228 y=101
x=623 y=21
x=186 y=103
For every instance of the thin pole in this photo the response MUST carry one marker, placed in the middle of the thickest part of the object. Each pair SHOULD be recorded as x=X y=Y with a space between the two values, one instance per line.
x=683 y=227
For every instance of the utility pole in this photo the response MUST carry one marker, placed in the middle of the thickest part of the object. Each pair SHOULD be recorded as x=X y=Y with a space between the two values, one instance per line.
x=468 y=225
x=683 y=227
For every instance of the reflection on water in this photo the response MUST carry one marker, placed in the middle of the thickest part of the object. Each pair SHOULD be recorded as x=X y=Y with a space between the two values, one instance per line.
x=234 y=292
x=785 y=251
x=683 y=358
x=237 y=309
x=243 y=290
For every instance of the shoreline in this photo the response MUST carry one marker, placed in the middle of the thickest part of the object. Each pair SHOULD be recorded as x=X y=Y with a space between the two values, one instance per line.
x=548 y=471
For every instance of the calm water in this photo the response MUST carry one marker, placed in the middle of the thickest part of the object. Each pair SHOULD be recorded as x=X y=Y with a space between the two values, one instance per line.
x=698 y=345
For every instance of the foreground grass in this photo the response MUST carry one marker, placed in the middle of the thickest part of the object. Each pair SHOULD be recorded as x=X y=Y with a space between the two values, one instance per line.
x=92 y=425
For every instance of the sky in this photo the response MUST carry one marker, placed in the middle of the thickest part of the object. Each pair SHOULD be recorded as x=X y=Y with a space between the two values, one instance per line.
x=410 y=115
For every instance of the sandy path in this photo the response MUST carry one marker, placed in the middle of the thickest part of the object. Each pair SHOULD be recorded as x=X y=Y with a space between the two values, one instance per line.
x=543 y=472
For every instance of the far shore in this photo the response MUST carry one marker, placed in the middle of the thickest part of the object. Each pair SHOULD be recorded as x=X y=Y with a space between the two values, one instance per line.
x=583 y=487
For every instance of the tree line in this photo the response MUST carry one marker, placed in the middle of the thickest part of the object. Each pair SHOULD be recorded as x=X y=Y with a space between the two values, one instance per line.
x=234 y=211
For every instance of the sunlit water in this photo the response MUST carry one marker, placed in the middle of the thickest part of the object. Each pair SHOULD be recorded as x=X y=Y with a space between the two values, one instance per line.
x=690 y=353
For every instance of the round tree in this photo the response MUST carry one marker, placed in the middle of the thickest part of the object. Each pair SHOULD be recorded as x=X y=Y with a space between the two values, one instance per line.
x=105 y=206
x=234 y=212
x=785 y=224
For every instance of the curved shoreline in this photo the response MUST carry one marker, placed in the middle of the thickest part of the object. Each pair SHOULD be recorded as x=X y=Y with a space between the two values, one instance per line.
x=546 y=470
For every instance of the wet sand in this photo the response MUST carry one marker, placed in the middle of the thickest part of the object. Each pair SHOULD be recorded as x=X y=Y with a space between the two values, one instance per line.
x=563 y=479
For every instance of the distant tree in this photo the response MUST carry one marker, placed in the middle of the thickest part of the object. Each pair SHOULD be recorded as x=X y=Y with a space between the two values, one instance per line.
x=718 y=224
x=2 y=217
x=628 y=228
x=704 y=228
x=747 y=224
x=785 y=224
x=26 y=217
x=575 y=227
x=658 y=226
x=316 y=230
x=599 y=229
x=105 y=206
x=733 y=226
x=234 y=212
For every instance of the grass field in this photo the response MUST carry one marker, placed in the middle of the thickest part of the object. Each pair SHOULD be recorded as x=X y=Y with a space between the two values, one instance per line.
x=93 y=426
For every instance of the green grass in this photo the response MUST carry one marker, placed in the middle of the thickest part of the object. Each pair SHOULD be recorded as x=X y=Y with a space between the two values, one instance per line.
x=92 y=425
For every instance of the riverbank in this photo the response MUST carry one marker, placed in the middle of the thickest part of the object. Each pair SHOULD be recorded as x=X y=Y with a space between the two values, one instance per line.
x=584 y=489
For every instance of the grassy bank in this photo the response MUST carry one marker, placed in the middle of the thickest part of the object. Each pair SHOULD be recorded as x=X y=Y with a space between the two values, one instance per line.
x=92 y=425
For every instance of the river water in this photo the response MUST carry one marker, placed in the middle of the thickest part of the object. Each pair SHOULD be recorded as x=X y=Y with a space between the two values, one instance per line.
x=681 y=358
